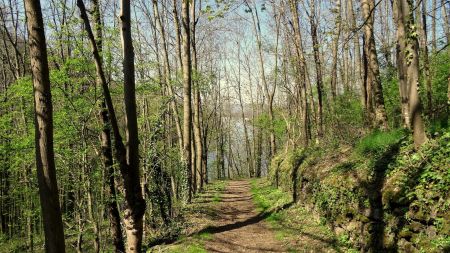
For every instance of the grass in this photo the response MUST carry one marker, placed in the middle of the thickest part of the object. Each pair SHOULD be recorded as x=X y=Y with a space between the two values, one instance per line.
x=379 y=141
x=198 y=215
x=193 y=248
x=219 y=185
x=194 y=244
x=204 y=236
x=216 y=198
x=298 y=228
x=266 y=197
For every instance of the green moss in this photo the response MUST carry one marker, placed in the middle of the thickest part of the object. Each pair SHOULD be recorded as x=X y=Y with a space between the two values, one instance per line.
x=441 y=243
x=339 y=185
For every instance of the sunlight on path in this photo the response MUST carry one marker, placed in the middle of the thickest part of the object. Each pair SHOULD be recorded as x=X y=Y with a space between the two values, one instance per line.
x=240 y=228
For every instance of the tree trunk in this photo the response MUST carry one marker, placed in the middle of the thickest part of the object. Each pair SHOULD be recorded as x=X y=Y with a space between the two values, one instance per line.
x=368 y=7
x=316 y=46
x=301 y=75
x=45 y=159
x=135 y=204
x=178 y=33
x=411 y=63
x=445 y=17
x=269 y=94
x=106 y=143
x=244 y=121
x=336 y=35
x=357 y=52
x=433 y=26
x=187 y=107
x=129 y=167
x=168 y=76
x=197 y=101
x=426 y=60
x=401 y=67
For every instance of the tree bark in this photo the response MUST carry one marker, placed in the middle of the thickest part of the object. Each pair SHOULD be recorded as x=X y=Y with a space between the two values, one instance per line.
x=244 y=121
x=301 y=75
x=336 y=35
x=401 y=67
x=135 y=204
x=197 y=102
x=357 y=52
x=426 y=60
x=318 y=63
x=168 y=76
x=129 y=168
x=446 y=22
x=433 y=26
x=187 y=99
x=368 y=7
x=106 y=143
x=45 y=159
x=177 y=32
x=411 y=63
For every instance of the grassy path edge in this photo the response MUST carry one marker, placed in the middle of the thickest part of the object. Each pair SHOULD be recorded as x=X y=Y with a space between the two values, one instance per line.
x=299 y=229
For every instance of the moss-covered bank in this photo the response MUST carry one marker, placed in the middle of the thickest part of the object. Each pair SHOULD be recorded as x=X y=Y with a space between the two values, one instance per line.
x=382 y=194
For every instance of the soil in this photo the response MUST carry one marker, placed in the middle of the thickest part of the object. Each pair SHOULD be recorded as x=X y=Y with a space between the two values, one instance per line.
x=239 y=227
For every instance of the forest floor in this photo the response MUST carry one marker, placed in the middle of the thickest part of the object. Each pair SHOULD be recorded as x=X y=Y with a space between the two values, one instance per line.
x=251 y=216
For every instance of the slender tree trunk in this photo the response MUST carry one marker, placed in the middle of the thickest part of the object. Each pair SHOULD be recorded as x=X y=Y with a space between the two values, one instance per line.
x=336 y=35
x=357 y=52
x=433 y=26
x=177 y=32
x=411 y=62
x=45 y=159
x=205 y=156
x=259 y=143
x=269 y=94
x=113 y=210
x=135 y=204
x=244 y=121
x=301 y=75
x=187 y=107
x=445 y=17
x=168 y=76
x=129 y=168
x=401 y=64
x=316 y=46
x=426 y=63
x=106 y=143
x=367 y=83
x=86 y=170
x=368 y=7
x=197 y=102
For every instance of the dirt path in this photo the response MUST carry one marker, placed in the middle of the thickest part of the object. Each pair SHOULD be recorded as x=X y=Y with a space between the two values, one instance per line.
x=240 y=227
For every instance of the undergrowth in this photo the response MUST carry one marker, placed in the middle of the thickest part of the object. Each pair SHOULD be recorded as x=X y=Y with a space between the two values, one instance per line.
x=382 y=173
x=193 y=217
x=378 y=141
x=294 y=225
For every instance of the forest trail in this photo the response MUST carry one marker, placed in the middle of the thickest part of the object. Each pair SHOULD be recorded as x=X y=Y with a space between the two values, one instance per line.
x=240 y=227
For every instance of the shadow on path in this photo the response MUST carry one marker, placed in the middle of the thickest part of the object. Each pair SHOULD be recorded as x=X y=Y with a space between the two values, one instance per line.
x=252 y=220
